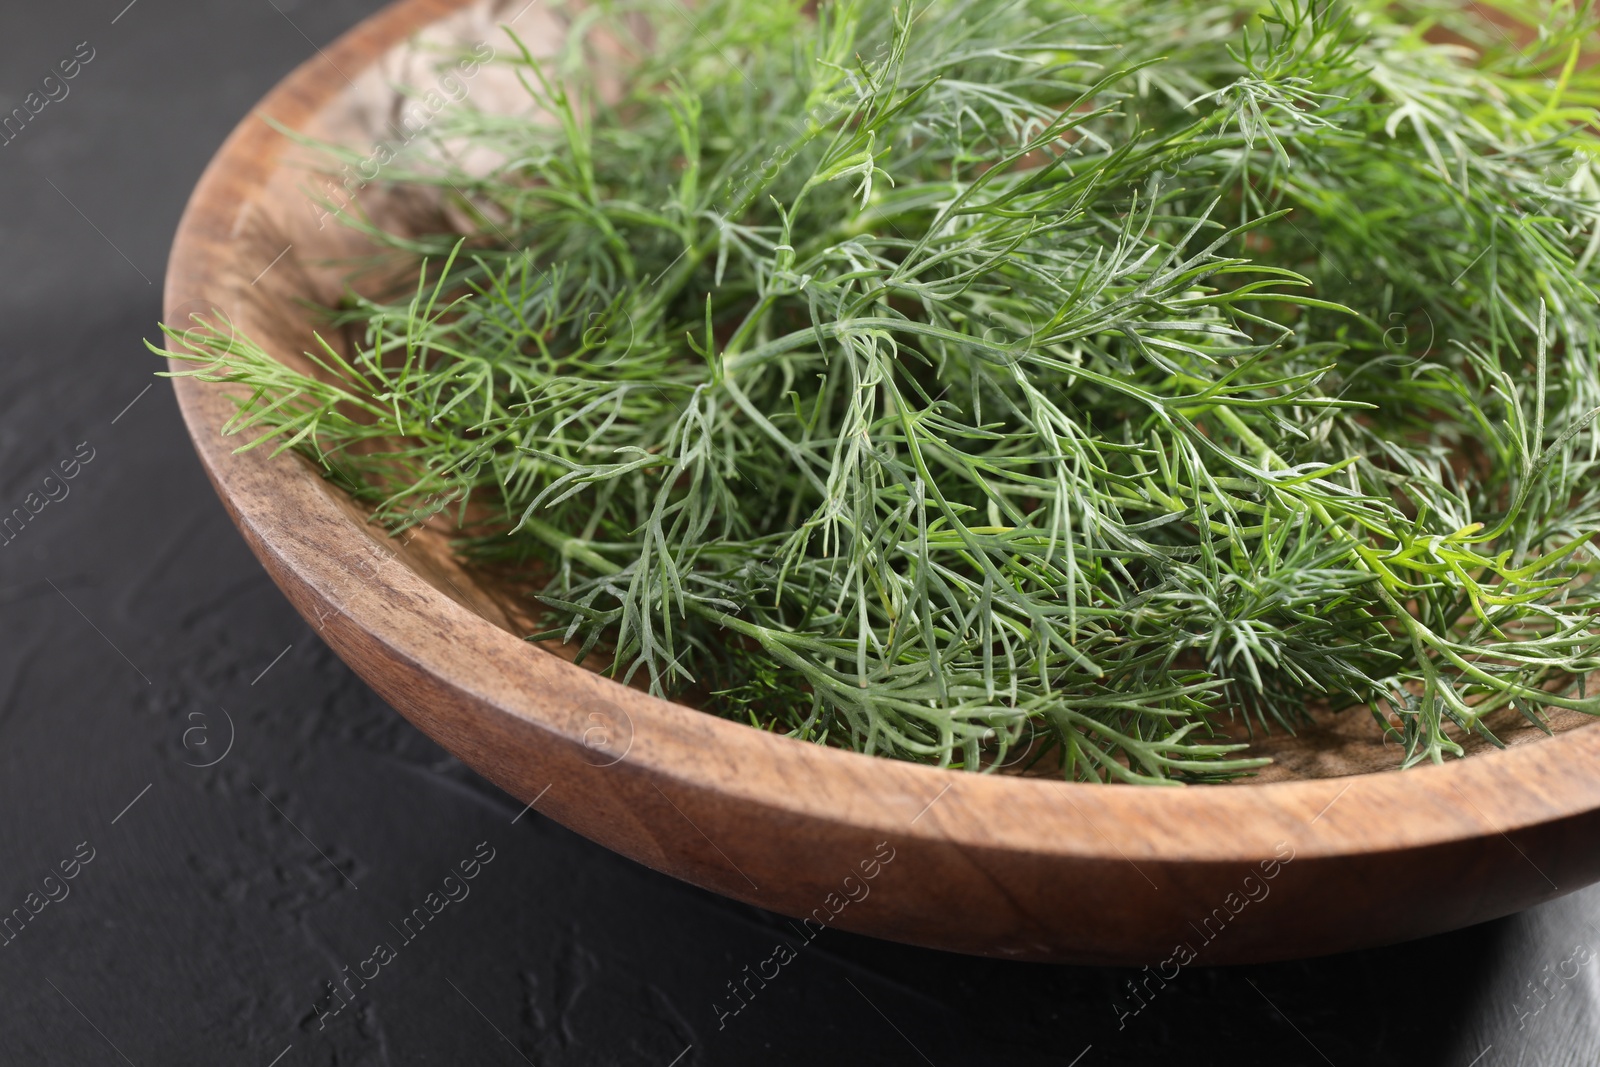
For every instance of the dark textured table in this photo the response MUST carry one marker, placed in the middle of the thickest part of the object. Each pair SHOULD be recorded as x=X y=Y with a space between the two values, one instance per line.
x=242 y=820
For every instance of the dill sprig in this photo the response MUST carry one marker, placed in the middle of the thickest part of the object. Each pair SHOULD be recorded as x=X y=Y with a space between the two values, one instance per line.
x=986 y=383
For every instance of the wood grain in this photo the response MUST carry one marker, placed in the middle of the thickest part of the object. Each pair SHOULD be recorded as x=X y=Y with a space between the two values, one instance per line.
x=993 y=865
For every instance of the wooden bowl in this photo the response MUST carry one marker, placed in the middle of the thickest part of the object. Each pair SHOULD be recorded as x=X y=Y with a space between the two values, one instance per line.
x=1341 y=851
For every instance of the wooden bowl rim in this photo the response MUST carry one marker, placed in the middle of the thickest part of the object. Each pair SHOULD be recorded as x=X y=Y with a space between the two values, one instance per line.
x=1483 y=795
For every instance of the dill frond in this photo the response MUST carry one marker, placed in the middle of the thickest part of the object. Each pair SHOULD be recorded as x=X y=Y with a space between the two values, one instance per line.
x=945 y=378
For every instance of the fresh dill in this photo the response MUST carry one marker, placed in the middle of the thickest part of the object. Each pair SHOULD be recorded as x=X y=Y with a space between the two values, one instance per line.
x=1001 y=382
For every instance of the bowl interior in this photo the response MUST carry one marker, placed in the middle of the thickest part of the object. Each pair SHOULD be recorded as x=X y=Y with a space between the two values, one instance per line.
x=293 y=235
